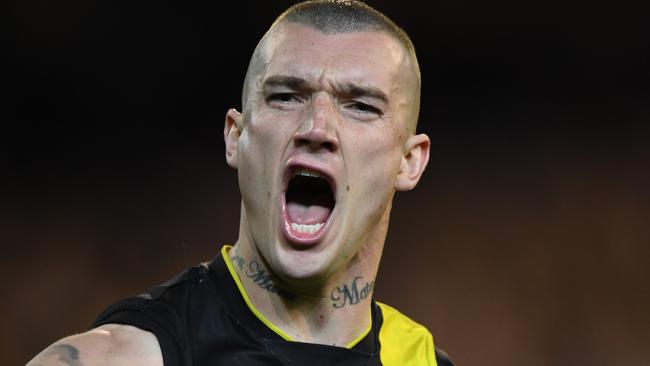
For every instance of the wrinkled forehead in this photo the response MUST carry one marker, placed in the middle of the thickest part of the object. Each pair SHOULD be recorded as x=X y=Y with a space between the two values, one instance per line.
x=361 y=57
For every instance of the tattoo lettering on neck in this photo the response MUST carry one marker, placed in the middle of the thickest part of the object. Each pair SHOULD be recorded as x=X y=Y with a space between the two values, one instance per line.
x=256 y=272
x=351 y=294
x=67 y=354
x=238 y=260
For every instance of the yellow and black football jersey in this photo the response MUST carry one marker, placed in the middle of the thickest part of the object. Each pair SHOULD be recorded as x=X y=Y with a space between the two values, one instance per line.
x=203 y=317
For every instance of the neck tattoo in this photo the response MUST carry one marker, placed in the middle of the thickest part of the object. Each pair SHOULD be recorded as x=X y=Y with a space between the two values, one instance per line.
x=352 y=293
x=256 y=272
x=341 y=296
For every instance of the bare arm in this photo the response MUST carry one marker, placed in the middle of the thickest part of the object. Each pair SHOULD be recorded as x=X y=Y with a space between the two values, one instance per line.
x=108 y=345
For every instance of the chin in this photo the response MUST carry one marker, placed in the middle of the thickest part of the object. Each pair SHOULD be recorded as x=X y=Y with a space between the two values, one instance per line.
x=294 y=265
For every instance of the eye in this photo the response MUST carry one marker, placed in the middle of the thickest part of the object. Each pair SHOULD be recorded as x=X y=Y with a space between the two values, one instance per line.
x=283 y=98
x=364 y=109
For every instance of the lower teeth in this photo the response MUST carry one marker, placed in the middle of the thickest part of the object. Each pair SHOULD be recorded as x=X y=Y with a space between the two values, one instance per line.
x=306 y=229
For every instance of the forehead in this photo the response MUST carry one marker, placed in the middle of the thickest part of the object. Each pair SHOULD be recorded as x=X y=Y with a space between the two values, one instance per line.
x=366 y=57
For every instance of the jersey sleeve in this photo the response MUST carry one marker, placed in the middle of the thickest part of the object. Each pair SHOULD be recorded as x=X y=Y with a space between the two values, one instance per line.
x=404 y=342
x=155 y=317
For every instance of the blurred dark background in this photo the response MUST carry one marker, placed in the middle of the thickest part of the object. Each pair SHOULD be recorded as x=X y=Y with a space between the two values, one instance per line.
x=526 y=243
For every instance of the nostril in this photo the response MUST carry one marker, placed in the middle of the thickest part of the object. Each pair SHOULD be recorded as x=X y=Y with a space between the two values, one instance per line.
x=316 y=137
x=302 y=142
x=316 y=144
x=328 y=145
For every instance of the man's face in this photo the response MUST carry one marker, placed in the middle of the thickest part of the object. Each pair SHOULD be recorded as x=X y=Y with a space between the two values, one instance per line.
x=320 y=146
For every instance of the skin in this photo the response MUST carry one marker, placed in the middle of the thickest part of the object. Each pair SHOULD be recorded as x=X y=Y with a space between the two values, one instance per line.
x=366 y=143
x=362 y=140
x=107 y=345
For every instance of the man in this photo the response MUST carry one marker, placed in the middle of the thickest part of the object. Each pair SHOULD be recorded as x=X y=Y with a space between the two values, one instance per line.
x=325 y=138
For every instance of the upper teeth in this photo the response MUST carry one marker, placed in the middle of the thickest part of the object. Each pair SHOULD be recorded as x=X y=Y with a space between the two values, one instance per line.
x=307 y=173
x=308 y=229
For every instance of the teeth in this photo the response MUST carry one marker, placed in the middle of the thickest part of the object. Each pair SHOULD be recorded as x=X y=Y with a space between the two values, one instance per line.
x=306 y=229
x=307 y=173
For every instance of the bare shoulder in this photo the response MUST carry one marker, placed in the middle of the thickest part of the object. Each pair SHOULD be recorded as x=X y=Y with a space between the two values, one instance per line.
x=107 y=345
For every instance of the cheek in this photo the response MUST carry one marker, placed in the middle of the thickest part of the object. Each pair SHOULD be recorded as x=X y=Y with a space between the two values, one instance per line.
x=266 y=132
x=373 y=170
x=260 y=153
x=378 y=156
x=256 y=145
x=252 y=170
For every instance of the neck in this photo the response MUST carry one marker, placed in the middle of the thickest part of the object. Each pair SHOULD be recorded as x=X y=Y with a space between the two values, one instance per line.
x=335 y=311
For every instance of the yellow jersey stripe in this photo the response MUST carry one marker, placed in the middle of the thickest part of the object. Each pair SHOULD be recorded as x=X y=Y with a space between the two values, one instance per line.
x=403 y=341
x=240 y=286
x=224 y=253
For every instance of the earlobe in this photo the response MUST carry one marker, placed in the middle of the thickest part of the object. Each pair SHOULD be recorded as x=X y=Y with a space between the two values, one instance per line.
x=414 y=161
x=231 y=133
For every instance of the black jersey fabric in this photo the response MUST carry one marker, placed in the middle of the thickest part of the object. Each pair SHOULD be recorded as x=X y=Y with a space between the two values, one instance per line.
x=200 y=318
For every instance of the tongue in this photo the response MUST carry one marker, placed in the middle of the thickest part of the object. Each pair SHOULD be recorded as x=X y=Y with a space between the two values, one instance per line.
x=307 y=214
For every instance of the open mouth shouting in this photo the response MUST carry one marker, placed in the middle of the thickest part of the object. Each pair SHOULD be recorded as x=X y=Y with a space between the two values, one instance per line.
x=309 y=201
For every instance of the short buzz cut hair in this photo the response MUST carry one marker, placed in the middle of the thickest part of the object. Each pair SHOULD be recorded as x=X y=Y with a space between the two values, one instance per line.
x=337 y=16
x=343 y=16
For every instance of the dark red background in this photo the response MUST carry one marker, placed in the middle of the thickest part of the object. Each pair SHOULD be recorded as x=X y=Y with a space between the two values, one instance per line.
x=526 y=243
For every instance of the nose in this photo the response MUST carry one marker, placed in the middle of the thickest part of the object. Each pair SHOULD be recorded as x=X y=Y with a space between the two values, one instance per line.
x=318 y=129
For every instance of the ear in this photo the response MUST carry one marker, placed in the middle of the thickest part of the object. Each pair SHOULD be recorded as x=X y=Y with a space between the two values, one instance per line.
x=231 y=133
x=414 y=160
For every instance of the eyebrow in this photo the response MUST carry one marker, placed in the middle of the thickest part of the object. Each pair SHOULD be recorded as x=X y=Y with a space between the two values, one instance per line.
x=349 y=90
x=291 y=82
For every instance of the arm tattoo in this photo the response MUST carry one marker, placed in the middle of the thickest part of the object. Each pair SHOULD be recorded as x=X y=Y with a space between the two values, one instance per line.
x=68 y=355
x=351 y=294
x=256 y=272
